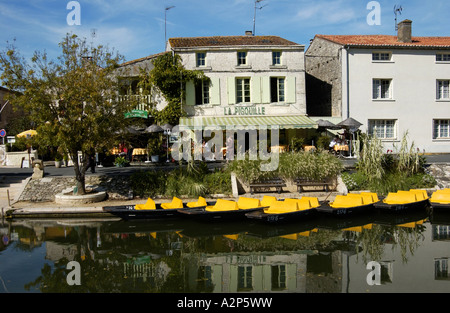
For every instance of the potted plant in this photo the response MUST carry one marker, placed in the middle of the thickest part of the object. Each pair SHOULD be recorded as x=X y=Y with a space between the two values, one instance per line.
x=58 y=158
x=154 y=149
x=121 y=162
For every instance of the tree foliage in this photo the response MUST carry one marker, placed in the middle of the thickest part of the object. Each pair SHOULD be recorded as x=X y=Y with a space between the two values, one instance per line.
x=73 y=99
x=169 y=77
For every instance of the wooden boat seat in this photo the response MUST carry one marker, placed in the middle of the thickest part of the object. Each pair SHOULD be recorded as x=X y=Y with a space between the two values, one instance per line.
x=248 y=203
x=441 y=196
x=347 y=201
x=267 y=200
x=175 y=204
x=280 y=207
x=400 y=197
x=149 y=205
x=314 y=202
x=223 y=205
x=420 y=194
x=200 y=203
x=372 y=194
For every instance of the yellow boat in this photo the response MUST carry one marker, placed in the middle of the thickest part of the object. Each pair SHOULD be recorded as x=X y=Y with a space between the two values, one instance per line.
x=286 y=210
x=351 y=203
x=440 y=199
x=152 y=210
x=226 y=209
x=413 y=199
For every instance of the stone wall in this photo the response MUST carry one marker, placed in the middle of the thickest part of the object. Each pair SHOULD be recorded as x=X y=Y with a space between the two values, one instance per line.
x=45 y=189
x=441 y=172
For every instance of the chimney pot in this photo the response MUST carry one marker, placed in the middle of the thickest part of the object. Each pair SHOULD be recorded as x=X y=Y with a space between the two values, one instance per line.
x=405 y=31
x=248 y=33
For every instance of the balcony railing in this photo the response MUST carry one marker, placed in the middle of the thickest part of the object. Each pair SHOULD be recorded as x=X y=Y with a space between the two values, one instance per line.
x=142 y=107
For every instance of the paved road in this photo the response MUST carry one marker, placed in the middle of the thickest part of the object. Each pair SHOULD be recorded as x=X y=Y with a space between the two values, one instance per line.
x=21 y=173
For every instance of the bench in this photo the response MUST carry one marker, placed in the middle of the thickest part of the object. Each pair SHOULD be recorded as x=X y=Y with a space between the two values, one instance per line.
x=306 y=182
x=277 y=183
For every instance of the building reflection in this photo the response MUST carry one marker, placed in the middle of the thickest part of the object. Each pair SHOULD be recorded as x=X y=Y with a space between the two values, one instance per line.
x=167 y=259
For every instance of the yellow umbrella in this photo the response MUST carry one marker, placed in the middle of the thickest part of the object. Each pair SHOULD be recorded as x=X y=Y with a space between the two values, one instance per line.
x=27 y=133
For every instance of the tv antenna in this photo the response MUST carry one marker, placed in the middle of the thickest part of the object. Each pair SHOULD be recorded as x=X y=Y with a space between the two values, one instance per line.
x=165 y=22
x=254 y=16
x=397 y=11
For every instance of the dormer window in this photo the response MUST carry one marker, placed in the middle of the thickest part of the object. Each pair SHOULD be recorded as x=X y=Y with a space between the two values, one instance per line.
x=201 y=59
x=443 y=57
x=381 y=56
x=276 y=58
x=242 y=58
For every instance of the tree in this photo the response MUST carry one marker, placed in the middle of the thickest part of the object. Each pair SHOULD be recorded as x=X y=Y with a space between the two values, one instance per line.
x=169 y=77
x=73 y=100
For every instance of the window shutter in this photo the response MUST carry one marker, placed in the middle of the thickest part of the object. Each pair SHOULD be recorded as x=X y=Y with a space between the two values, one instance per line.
x=214 y=91
x=265 y=89
x=190 y=93
x=291 y=89
x=256 y=89
x=231 y=88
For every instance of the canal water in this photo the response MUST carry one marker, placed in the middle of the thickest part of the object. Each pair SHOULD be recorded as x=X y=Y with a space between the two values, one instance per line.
x=375 y=253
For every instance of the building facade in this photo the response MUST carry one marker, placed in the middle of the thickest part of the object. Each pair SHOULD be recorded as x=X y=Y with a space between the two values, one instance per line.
x=393 y=85
x=253 y=81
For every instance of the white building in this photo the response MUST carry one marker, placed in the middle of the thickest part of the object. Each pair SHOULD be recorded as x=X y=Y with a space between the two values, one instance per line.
x=391 y=84
x=254 y=80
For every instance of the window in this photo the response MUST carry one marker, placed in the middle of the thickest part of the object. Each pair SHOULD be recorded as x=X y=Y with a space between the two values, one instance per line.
x=383 y=129
x=202 y=93
x=382 y=89
x=276 y=58
x=381 y=56
x=243 y=90
x=242 y=58
x=443 y=90
x=201 y=59
x=277 y=89
x=279 y=277
x=443 y=57
x=441 y=129
x=245 y=278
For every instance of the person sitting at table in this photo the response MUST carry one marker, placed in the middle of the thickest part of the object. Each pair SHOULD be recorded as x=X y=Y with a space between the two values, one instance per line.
x=335 y=141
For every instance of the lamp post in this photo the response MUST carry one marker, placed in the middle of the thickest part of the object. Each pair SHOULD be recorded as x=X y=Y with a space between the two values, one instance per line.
x=165 y=24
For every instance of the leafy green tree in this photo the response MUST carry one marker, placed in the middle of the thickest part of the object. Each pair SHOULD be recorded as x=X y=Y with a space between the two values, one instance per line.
x=169 y=77
x=73 y=99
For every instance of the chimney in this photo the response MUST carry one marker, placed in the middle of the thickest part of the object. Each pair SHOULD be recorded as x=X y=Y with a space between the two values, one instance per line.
x=405 y=31
x=248 y=33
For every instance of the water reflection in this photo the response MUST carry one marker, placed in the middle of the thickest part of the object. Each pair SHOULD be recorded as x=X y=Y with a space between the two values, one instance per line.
x=186 y=256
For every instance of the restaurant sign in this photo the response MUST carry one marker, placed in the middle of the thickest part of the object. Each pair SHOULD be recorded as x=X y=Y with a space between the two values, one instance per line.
x=244 y=110
x=137 y=113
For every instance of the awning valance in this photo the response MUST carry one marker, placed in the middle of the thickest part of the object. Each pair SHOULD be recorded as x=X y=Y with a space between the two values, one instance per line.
x=247 y=122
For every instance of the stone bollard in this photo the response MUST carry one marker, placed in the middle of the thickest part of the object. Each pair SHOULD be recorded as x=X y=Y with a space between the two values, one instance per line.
x=38 y=169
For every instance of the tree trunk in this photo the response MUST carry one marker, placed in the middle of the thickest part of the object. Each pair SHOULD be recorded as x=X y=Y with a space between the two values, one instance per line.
x=80 y=172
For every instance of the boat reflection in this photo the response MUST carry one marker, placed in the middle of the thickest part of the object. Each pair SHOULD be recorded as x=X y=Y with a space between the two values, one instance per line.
x=188 y=256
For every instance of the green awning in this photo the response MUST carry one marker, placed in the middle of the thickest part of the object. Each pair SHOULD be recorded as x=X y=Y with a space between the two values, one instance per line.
x=247 y=122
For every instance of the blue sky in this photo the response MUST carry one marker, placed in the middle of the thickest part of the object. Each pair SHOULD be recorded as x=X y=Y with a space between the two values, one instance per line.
x=135 y=28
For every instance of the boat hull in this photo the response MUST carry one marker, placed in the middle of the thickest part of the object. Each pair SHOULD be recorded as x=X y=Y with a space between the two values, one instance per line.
x=441 y=207
x=202 y=214
x=128 y=212
x=275 y=218
x=342 y=212
x=399 y=208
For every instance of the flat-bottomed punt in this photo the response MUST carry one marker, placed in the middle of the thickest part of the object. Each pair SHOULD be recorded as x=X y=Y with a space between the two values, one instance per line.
x=403 y=201
x=351 y=203
x=285 y=211
x=440 y=200
x=152 y=210
x=225 y=209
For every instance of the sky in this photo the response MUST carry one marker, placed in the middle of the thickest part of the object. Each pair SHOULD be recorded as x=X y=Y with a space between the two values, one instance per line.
x=136 y=28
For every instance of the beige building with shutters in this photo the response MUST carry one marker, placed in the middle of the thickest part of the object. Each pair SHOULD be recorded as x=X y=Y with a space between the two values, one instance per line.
x=254 y=80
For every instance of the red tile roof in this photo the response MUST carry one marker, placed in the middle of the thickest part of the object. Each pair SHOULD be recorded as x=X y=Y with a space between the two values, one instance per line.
x=387 y=41
x=220 y=41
